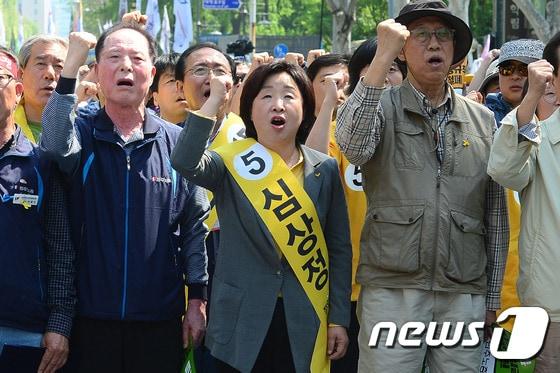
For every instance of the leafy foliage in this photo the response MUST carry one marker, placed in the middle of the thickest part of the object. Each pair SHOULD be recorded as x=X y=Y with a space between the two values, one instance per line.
x=274 y=17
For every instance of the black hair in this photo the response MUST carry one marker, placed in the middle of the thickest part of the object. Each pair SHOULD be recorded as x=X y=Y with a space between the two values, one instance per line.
x=362 y=57
x=122 y=26
x=164 y=63
x=550 y=52
x=325 y=60
x=254 y=84
x=182 y=63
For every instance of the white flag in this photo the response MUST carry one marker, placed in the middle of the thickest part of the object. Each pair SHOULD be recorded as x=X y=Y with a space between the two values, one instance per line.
x=183 y=34
x=51 y=30
x=123 y=8
x=21 y=36
x=2 y=29
x=165 y=32
x=154 y=20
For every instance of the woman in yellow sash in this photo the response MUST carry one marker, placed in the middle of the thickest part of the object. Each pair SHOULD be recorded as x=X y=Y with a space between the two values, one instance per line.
x=281 y=293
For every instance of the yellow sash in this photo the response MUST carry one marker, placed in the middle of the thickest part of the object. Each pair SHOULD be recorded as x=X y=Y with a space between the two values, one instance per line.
x=232 y=129
x=290 y=216
x=21 y=120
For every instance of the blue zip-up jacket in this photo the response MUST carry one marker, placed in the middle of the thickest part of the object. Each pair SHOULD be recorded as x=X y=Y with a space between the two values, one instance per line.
x=23 y=270
x=138 y=224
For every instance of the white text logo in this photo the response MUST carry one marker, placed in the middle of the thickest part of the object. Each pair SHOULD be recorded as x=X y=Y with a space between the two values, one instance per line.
x=526 y=338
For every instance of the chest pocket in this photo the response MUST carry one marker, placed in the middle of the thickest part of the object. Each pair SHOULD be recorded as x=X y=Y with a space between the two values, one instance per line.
x=409 y=146
x=470 y=154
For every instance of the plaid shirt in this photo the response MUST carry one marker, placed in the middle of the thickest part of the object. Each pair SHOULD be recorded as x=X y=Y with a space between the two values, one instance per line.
x=60 y=255
x=360 y=124
x=438 y=117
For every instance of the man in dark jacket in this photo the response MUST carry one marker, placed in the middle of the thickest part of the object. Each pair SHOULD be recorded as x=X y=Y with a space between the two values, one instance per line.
x=138 y=224
x=36 y=263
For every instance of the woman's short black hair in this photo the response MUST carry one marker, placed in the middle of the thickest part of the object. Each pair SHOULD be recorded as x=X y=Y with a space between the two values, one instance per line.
x=254 y=83
x=363 y=55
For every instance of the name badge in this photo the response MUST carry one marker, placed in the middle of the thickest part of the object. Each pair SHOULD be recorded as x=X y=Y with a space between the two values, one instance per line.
x=26 y=200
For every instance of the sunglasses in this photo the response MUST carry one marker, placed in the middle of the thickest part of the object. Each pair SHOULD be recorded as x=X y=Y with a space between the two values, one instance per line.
x=507 y=70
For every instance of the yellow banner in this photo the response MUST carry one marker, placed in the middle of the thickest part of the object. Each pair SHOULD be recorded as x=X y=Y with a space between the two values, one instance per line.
x=232 y=129
x=292 y=220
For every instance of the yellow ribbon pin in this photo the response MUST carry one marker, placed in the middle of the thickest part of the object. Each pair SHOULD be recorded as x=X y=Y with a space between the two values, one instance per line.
x=466 y=143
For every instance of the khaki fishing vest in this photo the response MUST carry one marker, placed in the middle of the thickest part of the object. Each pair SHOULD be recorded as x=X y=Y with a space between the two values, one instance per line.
x=424 y=228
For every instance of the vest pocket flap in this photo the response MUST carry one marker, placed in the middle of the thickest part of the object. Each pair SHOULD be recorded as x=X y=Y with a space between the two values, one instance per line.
x=467 y=223
x=408 y=128
x=398 y=214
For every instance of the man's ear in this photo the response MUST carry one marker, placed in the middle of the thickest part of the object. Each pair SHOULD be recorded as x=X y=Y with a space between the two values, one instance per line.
x=152 y=75
x=154 y=97
x=19 y=90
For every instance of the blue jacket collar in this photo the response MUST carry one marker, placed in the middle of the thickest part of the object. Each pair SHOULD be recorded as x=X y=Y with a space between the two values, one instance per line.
x=21 y=146
x=104 y=126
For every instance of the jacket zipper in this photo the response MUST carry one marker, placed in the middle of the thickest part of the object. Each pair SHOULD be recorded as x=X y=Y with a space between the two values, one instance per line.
x=125 y=258
x=438 y=183
x=454 y=146
x=39 y=273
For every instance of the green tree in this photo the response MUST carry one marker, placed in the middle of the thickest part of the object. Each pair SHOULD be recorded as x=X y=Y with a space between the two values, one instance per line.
x=480 y=18
x=371 y=12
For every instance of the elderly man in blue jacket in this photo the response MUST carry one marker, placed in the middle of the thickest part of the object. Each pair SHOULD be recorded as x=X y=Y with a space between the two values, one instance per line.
x=37 y=296
x=138 y=224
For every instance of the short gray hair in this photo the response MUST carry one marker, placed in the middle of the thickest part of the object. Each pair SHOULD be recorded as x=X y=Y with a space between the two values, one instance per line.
x=25 y=50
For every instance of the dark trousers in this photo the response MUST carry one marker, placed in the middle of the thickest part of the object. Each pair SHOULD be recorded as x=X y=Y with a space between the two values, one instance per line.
x=275 y=355
x=204 y=361
x=349 y=363
x=125 y=346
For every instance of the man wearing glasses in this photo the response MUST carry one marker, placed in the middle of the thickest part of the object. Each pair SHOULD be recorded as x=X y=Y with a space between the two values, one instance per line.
x=435 y=237
x=193 y=72
x=512 y=67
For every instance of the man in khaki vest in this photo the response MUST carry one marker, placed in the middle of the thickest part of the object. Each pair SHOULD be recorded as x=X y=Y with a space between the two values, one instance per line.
x=435 y=237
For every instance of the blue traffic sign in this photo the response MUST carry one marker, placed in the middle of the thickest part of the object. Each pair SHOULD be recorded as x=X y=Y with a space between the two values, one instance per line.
x=280 y=50
x=221 y=4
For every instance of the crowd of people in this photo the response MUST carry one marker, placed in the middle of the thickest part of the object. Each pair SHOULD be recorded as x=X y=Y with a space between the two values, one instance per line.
x=269 y=214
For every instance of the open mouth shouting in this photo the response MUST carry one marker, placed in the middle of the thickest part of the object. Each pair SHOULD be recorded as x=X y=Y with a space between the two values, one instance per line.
x=125 y=83
x=278 y=122
x=435 y=61
x=48 y=89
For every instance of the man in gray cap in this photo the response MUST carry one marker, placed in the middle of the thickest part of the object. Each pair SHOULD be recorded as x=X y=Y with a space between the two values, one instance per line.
x=435 y=237
x=515 y=55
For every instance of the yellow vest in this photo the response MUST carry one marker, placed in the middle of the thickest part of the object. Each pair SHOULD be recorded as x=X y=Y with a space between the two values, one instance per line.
x=509 y=288
x=355 y=200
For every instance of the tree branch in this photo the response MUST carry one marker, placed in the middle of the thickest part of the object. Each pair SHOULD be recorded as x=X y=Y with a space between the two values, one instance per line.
x=538 y=22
